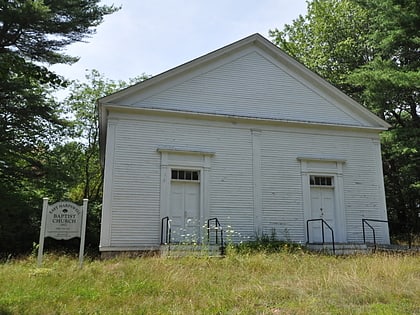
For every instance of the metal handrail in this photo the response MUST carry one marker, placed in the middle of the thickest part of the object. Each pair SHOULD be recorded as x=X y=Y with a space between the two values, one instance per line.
x=165 y=238
x=323 y=222
x=364 y=221
x=217 y=228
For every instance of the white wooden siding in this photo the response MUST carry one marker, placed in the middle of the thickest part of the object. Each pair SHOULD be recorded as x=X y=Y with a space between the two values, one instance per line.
x=136 y=180
x=363 y=190
x=254 y=167
x=231 y=182
x=135 y=216
x=251 y=86
x=282 y=189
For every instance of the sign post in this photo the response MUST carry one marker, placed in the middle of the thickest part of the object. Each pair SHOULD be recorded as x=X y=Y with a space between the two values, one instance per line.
x=83 y=232
x=42 y=232
x=63 y=221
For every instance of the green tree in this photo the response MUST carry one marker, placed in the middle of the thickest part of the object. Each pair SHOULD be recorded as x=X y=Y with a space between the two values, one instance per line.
x=83 y=149
x=33 y=35
x=81 y=104
x=371 y=50
x=331 y=40
x=390 y=83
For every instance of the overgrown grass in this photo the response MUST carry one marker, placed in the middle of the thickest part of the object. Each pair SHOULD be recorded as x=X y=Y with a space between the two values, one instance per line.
x=267 y=244
x=253 y=283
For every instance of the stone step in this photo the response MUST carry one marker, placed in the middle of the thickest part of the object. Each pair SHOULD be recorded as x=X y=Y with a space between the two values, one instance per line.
x=340 y=248
x=196 y=250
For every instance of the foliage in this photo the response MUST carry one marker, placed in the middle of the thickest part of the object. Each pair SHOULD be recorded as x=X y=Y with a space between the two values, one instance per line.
x=281 y=283
x=391 y=84
x=81 y=105
x=266 y=244
x=82 y=175
x=371 y=50
x=331 y=40
x=33 y=35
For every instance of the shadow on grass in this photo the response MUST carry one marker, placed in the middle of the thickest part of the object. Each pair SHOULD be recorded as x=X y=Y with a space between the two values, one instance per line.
x=4 y=311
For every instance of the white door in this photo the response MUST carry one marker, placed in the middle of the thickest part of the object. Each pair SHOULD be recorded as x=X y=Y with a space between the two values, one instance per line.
x=322 y=207
x=185 y=211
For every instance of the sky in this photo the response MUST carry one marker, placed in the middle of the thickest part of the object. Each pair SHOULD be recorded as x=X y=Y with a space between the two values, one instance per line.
x=152 y=36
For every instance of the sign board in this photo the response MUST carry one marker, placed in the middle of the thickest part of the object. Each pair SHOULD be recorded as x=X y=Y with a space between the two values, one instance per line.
x=62 y=221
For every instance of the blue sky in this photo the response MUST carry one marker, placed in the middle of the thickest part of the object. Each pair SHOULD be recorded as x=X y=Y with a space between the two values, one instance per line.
x=152 y=36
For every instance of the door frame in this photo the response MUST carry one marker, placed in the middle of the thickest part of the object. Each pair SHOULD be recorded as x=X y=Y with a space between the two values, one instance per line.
x=324 y=166
x=179 y=158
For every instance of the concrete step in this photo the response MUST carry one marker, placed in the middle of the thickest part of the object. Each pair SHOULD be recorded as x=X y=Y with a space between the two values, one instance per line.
x=394 y=248
x=340 y=248
x=196 y=250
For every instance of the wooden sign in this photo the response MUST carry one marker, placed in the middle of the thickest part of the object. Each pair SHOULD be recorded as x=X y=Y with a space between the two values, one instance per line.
x=62 y=221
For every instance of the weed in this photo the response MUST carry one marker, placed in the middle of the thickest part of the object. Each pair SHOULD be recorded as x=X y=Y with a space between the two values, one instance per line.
x=267 y=244
x=284 y=282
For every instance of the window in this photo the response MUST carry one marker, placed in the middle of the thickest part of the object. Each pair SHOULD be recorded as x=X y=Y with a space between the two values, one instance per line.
x=321 y=181
x=185 y=175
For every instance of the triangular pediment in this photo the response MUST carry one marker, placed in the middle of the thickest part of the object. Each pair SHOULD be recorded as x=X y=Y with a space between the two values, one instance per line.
x=251 y=78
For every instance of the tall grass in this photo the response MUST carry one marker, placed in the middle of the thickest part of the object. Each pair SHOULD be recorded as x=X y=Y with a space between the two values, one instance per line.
x=253 y=283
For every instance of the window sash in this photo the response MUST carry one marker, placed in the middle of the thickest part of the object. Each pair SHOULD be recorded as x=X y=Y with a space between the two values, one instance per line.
x=185 y=175
x=321 y=181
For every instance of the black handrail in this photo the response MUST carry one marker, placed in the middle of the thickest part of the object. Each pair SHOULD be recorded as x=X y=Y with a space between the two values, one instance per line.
x=165 y=234
x=217 y=228
x=323 y=222
x=364 y=221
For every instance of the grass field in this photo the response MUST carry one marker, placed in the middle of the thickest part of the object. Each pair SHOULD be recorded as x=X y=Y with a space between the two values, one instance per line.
x=279 y=283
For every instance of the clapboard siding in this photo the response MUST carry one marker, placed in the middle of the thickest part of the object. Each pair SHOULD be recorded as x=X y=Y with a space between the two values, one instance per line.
x=136 y=179
x=136 y=182
x=256 y=123
x=282 y=190
x=231 y=184
x=363 y=190
x=250 y=86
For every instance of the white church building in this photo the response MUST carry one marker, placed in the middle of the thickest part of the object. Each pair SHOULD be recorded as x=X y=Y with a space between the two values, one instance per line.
x=247 y=135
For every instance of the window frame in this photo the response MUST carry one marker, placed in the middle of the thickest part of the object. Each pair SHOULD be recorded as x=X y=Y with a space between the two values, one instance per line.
x=325 y=181
x=185 y=175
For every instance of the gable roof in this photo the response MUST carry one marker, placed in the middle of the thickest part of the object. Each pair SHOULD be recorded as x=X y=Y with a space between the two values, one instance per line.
x=289 y=84
x=270 y=86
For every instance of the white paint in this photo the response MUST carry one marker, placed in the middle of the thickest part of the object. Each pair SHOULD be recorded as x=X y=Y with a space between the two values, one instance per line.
x=107 y=199
x=256 y=125
x=248 y=72
x=184 y=211
x=256 y=174
x=330 y=199
x=42 y=230
x=62 y=221
x=185 y=203
x=228 y=192
x=322 y=207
